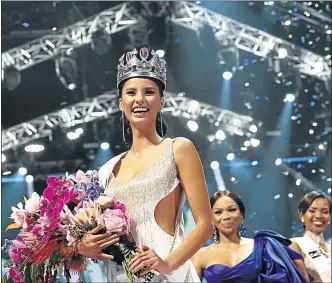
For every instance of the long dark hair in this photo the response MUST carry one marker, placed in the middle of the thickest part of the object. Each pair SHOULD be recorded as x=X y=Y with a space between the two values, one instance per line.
x=161 y=128
x=231 y=195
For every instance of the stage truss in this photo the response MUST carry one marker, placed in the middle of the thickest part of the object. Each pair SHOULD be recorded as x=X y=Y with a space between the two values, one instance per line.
x=102 y=106
x=186 y=14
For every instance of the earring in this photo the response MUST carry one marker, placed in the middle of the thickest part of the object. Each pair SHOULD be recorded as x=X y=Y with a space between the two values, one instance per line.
x=302 y=220
x=123 y=128
x=161 y=124
x=242 y=230
x=215 y=235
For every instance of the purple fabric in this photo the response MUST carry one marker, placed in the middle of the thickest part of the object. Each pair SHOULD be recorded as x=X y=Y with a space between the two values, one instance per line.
x=270 y=261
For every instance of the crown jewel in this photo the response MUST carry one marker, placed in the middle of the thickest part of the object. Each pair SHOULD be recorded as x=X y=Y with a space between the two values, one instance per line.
x=134 y=67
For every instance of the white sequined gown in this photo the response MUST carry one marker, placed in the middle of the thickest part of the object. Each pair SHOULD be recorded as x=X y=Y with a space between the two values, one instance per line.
x=141 y=196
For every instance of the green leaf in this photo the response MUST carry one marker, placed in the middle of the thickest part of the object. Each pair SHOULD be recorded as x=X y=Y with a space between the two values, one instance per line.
x=35 y=269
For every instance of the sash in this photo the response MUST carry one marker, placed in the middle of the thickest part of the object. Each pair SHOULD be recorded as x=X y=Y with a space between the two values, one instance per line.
x=316 y=257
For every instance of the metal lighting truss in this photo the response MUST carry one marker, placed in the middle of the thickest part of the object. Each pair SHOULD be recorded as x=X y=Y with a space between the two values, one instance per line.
x=36 y=51
x=185 y=14
x=250 y=39
x=102 y=106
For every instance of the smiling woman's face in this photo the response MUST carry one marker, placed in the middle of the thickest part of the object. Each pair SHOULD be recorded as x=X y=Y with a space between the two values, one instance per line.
x=317 y=217
x=226 y=215
x=141 y=101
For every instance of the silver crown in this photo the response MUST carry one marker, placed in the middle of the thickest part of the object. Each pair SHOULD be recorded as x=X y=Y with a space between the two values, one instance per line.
x=153 y=68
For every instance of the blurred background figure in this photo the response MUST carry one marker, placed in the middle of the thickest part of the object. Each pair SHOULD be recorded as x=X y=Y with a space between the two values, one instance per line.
x=251 y=89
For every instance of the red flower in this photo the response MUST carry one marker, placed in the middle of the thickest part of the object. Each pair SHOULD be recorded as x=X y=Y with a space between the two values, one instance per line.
x=15 y=274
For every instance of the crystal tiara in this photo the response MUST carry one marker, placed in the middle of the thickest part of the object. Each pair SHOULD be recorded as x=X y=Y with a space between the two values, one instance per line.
x=134 y=67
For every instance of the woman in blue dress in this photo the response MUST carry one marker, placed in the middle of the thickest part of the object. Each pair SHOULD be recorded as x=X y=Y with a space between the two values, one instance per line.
x=232 y=258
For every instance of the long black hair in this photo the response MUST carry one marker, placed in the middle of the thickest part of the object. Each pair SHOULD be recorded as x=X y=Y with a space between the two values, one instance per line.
x=161 y=125
x=231 y=195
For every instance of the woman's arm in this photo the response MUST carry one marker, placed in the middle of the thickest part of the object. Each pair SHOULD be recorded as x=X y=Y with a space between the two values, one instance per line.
x=193 y=182
x=197 y=262
x=299 y=262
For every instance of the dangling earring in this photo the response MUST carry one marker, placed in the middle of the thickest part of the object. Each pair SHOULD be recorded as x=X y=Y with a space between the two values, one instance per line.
x=215 y=235
x=302 y=220
x=123 y=128
x=161 y=124
x=242 y=230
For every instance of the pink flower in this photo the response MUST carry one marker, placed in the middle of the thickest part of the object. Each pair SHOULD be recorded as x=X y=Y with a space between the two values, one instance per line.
x=15 y=255
x=114 y=220
x=32 y=203
x=19 y=215
x=80 y=177
x=118 y=205
x=15 y=274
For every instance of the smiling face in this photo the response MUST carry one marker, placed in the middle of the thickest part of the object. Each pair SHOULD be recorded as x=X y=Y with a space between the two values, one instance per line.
x=226 y=215
x=141 y=101
x=317 y=217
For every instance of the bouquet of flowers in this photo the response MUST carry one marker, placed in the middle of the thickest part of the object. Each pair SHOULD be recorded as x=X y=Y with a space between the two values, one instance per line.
x=52 y=224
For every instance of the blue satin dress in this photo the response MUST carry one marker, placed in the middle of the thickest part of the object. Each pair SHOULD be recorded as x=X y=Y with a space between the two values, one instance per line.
x=270 y=261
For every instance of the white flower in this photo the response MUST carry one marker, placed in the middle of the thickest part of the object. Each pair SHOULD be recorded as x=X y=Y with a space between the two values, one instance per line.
x=19 y=214
x=32 y=203
x=104 y=201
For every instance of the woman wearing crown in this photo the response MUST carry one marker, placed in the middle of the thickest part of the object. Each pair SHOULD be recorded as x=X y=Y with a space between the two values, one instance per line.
x=154 y=177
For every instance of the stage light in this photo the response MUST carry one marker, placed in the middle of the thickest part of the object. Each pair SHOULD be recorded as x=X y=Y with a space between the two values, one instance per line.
x=287 y=22
x=233 y=179
x=79 y=131
x=29 y=178
x=214 y=165
x=254 y=163
x=293 y=118
x=192 y=125
x=329 y=31
x=321 y=147
x=246 y=84
x=54 y=28
x=66 y=70
x=290 y=195
x=34 y=148
x=160 y=53
x=72 y=135
x=220 y=135
x=278 y=161
x=329 y=190
x=254 y=142
x=246 y=143
x=22 y=171
x=227 y=75
x=298 y=182
x=282 y=53
x=289 y=97
x=3 y=157
x=243 y=148
x=313 y=171
x=314 y=124
x=71 y=86
x=311 y=131
x=105 y=146
x=6 y=173
x=253 y=128
x=230 y=156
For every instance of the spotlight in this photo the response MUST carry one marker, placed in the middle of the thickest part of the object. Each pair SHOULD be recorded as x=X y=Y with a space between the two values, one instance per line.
x=329 y=190
x=246 y=84
x=29 y=178
x=72 y=135
x=192 y=125
x=321 y=147
x=289 y=97
x=253 y=128
x=298 y=182
x=276 y=196
x=290 y=195
x=6 y=173
x=282 y=53
x=105 y=146
x=254 y=163
x=311 y=131
x=243 y=148
x=34 y=148
x=220 y=135
x=214 y=165
x=246 y=143
x=227 y=75
x=160 y=53
x=230 y=156
x=79 y=131
x=255 y=142
x=278 y=161
x=287 y=23
x=22 y=171
x=329 y=31
x=67 y=71
x=314 y=124
x=3 y=157
x=71 y=86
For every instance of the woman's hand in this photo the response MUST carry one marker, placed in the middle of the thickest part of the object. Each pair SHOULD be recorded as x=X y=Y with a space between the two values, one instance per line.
x=148 y=260
x=92 y=245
